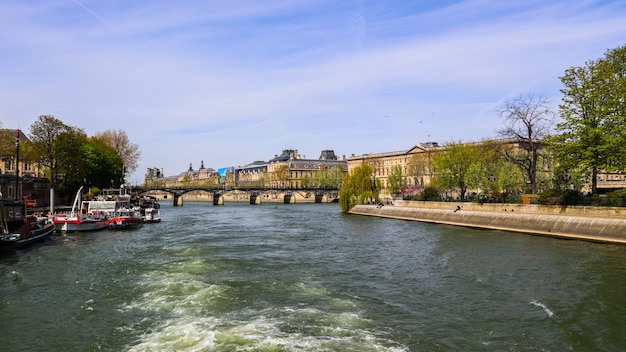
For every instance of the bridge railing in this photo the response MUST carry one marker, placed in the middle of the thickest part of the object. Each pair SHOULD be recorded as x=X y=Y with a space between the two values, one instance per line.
x=218 y=188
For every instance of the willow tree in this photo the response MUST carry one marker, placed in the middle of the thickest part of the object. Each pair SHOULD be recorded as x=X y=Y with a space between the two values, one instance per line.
x=358 y=187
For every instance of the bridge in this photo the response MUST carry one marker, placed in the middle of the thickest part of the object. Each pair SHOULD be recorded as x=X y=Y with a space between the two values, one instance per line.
x=255 y=193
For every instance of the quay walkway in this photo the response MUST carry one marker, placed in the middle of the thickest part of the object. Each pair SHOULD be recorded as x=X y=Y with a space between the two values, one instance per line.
x=607 y=225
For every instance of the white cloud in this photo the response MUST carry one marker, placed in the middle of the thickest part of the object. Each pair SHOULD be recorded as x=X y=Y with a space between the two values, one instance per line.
x=207 y=80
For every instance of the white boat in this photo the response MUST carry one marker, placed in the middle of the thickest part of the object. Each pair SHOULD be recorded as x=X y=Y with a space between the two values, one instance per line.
x=148 y=207
x=92 y=216
x=151 y=215
x=124 y=216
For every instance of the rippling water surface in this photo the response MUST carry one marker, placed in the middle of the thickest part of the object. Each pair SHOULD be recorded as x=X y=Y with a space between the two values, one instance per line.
x=304 y=277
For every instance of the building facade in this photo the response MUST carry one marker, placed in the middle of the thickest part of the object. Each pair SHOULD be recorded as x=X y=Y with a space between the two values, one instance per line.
x=286 y=170
x=415 y=163
x=19 y=178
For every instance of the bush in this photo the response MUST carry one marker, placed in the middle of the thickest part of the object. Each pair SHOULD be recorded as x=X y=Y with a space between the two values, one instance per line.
x=571 y=197
x=429 y=194
x=558 y=197
x=615 y=198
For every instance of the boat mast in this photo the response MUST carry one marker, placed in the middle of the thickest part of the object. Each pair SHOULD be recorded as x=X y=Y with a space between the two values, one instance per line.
x=77 y=199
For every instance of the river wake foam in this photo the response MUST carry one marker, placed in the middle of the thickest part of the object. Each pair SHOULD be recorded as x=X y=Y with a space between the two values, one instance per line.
x=549 y=313
x=189 y=313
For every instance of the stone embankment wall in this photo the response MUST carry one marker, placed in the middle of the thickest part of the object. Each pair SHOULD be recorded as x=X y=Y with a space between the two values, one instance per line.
x=581 y=224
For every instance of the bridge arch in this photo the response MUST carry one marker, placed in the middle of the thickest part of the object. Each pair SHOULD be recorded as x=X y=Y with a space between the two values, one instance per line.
x=253 y=195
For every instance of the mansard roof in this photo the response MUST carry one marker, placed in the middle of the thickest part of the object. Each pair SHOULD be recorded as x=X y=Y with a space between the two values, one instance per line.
x=314 y=164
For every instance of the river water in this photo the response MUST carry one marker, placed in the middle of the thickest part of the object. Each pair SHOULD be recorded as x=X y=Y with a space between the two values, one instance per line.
x=305 y=277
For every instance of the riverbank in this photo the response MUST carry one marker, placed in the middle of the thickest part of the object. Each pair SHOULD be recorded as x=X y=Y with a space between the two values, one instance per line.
x=608 y=226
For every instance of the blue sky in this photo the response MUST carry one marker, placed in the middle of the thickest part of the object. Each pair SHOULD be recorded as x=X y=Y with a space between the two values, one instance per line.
x=231 y=82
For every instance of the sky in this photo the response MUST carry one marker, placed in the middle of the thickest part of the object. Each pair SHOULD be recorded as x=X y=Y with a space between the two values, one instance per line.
x=227 y=83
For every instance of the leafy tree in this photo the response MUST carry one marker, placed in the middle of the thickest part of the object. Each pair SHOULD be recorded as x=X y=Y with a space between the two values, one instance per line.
x=329 y=177
x=44 y=134
x=430 y=193
x=395 y=180
x=129 y=152
x=71 y=159
x=7 y=143
x=357 y=188
x=103 y=164
x=262 y=180
x=500 y=174
x=306 y=181
x=71 y=166
x=281 y=175
x=615 y=66
x=458 y=168
x=528 y=119
x=592 y=133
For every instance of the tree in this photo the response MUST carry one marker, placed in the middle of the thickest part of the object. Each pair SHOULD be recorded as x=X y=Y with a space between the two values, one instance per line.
x=103 y=165
x=305 y=181
x=592 y=134
x=44 y=133
x=457 y=168
x=71 y=162
x=528 y=119
x=417 y=170
x=7 y=143
x=614 y=64
x=395 y=180
x=329 y=177
x=281 y=175
x=501 y=175
x=129 y=152
x=358 y=187
x=71 y=159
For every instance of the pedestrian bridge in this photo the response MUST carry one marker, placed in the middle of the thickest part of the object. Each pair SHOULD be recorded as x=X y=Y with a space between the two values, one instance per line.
x=255 y=194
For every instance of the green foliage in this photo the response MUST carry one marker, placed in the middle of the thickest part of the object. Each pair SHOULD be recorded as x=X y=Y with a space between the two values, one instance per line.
x=395 y=180
x=44 y=134
x=592 y=134
x=560 y=197
x=616 y=198
x=281 y=175
x=7 y=143
x=357 y=188
x=332 y=177
x=306 y=181
x=458 y=167
x=574 y=178
x=71 y=159
x=103 y=165
x=429 y=193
